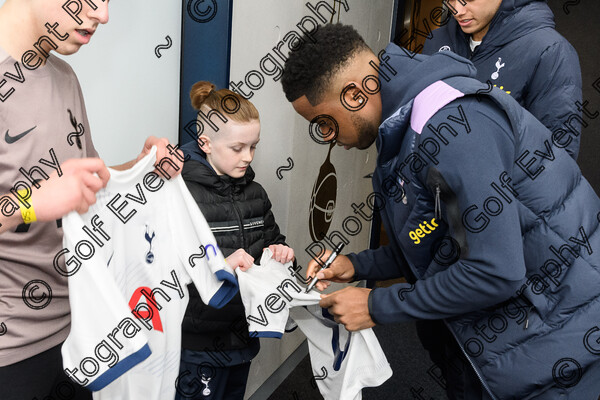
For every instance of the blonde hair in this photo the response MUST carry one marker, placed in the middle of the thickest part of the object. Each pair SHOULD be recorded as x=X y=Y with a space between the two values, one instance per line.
x=228 y=103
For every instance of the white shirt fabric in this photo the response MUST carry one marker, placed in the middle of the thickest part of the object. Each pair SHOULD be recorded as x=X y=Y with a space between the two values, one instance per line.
x=473 y=43
x=268 y=291
x=128 y=283
x=342 y=362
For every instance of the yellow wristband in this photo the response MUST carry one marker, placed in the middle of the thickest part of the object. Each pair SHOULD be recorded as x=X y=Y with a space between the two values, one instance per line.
x=27 y=213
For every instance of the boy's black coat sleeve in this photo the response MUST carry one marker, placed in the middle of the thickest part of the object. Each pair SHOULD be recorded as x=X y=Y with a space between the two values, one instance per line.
x=272 y=233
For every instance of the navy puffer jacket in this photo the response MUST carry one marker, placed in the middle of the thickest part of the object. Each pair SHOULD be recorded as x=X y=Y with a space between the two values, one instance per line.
x=238 y=212
x=524 y=55
x=496 y=226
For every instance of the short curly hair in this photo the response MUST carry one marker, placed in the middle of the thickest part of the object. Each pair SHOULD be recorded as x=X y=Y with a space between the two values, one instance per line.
x=309 y=70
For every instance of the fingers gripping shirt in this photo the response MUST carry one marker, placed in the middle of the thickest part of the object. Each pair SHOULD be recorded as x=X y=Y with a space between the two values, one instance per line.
x=342 y=362
x=129 y=260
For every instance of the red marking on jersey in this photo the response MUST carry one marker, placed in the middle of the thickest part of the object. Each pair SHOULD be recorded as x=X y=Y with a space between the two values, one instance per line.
x=152 y=313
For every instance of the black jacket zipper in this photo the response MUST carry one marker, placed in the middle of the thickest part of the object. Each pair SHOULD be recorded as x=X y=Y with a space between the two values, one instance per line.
x=240 y=222
x=438 y=206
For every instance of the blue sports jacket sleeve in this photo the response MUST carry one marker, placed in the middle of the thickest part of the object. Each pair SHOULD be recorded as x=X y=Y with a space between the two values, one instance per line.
x=382 y=263
x=492 y=270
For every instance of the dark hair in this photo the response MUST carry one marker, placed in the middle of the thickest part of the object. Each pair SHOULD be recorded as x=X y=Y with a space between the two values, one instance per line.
x=309 y=70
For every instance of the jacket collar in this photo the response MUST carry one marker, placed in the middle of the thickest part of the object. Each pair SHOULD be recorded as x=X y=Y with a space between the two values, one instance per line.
x=198 y=169
x=414 y=73
x=514 y=19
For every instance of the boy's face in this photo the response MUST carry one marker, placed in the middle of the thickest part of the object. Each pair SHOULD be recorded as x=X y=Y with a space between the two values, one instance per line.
x=231 y=149
x=474 y=16
x=68 y=28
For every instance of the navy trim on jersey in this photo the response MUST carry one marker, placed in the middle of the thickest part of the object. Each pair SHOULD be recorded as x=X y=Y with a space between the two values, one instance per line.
x=120 y=368
x=226 y=291
x=338 y=354
x=268 y=334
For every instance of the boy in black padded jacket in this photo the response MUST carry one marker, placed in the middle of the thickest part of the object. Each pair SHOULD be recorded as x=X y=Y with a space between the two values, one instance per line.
x=217 y=348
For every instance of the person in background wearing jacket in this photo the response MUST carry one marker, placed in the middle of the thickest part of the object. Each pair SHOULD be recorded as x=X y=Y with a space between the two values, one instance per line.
x=494 y=228
x=514 y=46
x=216 y=345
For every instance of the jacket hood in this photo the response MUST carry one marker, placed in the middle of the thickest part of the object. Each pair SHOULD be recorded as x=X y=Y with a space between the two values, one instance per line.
x=415 y=72
x=514 y=19
x=191 y=150
x=509 y=5
x=197 y=169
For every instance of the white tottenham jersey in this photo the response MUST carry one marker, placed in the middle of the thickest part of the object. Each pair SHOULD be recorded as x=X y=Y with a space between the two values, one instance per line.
x=342 y=362
x=268 y=292
x=129 y=260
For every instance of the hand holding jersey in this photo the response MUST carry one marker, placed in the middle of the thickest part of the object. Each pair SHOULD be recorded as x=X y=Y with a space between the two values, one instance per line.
x=349 y=307
x=282 y=253
x=343 y=362
x=240 y=259
x=129 y=267
x=74 y=190
x=244 y=261
x=164 y=151
x=81 y=179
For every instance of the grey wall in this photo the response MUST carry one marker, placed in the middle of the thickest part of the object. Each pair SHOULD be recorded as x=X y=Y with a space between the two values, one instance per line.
x=129 y=92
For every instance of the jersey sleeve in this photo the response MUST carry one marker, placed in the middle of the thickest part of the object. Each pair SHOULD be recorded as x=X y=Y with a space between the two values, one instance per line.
x=198 y=250
x=99 y=348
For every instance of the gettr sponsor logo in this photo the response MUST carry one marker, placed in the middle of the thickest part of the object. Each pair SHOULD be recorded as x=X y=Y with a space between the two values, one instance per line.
x=420 y=232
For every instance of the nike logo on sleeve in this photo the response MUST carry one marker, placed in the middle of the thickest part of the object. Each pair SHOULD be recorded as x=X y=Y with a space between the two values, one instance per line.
x=12 y=139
